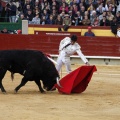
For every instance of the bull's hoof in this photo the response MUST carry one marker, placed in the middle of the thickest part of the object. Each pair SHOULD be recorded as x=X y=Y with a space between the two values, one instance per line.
x=43 y=92
x=4 y=92
x=15 y=91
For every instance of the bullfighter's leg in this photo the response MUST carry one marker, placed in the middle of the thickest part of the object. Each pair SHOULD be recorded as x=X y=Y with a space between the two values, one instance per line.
x=2 y=74
x=39 y=85
x=23 y=82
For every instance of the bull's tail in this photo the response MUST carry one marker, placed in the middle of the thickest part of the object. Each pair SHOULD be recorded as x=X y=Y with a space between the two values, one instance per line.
x=12 y=75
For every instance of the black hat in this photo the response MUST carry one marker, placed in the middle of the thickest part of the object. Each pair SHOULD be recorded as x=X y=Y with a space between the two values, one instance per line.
x=74 y=38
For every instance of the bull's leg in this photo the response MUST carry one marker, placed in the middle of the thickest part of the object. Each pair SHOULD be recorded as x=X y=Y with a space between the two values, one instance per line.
x=23 y=82
x=39 y=85
x=2 y=74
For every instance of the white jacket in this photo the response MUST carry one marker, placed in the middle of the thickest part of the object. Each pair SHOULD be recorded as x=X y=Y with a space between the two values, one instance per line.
x=70 y=50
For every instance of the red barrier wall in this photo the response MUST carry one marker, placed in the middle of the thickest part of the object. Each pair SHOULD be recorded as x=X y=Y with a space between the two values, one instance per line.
x=91 y=46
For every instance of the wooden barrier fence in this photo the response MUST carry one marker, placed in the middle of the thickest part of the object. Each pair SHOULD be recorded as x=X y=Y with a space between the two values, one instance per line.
x=91 y=46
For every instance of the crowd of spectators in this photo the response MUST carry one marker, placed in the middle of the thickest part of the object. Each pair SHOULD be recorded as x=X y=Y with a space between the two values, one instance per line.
x=62 y=12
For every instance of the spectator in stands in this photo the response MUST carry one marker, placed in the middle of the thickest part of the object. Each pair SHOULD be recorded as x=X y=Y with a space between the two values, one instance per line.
x=57 y=3
x=68 y=46
x=101 y=16
x=73 y=2
x=114 y=26
x=103 y=2
x=82 y=10
x=29 y=16
x=79 y=6
x=100 y=9
x=20 y=6
x=36 y=11
x=36 y=20
x=19 y=31
x=63 y=7
x=66 y=22
x=53 y=8
x=27 y=8
x=54 y=5
x=80 y=18
x=71 y=10
x=108 y=3
x=45 y=14
x=50 y=20
x=86 y=13
x=89 y=33
x=22 y=17
x=71 y=14
x=62 y=15
x=88 y=3
x=61 y=2
x=95 y=22
x=37 y=4
x=98 y=3
x=6 y=13
x=93 y=15
x=47 y=8
x=118 y=17
x=86 y=21
x=117 y=3
x=91 y=9
x=43 y=20
x=111 y=9
x=12 y=12
x=76 y=20
x=54 y=13
x=59 y=20
x=110 y=16
x=68 y=2
x=75 y=8
x=82 y=3
x=27 y=5
x=104 y=21
x=5 y=31
x=43 y=4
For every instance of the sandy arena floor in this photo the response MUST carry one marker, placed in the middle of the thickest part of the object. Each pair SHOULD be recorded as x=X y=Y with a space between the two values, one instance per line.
x=100 y=101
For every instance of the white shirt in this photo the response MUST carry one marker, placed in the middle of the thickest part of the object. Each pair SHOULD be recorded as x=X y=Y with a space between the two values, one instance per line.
x=118 y=32
x=71 y=49
x=36 y=20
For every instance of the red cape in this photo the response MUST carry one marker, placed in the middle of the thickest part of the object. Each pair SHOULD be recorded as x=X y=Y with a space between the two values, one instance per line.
x=77 y=81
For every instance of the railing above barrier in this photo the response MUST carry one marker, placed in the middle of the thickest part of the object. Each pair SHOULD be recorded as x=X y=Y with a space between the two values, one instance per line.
x=99 y=30
x=11 y=26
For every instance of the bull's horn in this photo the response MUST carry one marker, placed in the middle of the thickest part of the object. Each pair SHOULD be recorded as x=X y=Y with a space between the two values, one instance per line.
x=58 y=82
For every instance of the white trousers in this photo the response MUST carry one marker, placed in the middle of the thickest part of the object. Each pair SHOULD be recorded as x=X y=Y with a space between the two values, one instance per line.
x=63 y=60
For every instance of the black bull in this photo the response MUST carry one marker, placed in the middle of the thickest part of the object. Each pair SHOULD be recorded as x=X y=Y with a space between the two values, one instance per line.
x=32 y=64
